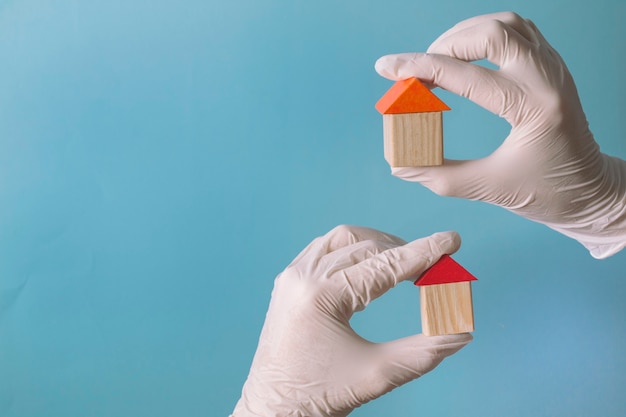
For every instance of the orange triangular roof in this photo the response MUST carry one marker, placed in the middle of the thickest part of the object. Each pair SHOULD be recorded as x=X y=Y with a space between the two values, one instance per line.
x=445 y=271
x=409 y=96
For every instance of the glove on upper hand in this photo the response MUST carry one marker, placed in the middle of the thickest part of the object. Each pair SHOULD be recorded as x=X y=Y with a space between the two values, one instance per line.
x=549 y=169
x=309 y=361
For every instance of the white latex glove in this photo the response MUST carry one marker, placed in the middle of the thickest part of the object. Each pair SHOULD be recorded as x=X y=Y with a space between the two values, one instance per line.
x=309 y=361
x=549 y=169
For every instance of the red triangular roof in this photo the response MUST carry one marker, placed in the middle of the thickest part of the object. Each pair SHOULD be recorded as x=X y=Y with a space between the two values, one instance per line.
x=445 y=271
x=409 y=96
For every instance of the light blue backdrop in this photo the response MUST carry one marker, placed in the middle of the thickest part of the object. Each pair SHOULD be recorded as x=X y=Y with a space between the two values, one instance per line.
x=162 y=161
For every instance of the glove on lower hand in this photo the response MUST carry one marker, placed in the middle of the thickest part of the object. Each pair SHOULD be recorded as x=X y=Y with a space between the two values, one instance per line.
x=309 y=361
x=549 y=169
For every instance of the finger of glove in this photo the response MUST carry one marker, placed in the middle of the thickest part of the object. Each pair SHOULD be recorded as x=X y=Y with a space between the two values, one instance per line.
x=493 y=40
x=372 y=277
x=406 y=359
x=523 y=26
x=483 y=86
x=352 y=254
x=341 y=236
x=463 y=179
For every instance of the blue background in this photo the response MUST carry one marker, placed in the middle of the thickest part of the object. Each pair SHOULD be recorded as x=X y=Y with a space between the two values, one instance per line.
x=162 y=161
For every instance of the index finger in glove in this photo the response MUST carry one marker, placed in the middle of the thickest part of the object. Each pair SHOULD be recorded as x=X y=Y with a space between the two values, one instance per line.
x=483 y=86
x=342 y=236
x=373 y=277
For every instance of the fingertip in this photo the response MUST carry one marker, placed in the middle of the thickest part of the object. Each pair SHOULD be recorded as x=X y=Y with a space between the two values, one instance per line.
x=447 y=242
x=385 y=66
x=405 y=173
x=402 y=66
x=450 y=343
x=431 y=249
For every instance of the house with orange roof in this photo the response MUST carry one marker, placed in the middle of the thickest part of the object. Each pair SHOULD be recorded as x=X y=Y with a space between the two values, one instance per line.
x=412 y=124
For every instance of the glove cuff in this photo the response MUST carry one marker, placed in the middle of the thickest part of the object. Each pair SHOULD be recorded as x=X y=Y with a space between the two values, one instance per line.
x=600 y=247
x=602 y=228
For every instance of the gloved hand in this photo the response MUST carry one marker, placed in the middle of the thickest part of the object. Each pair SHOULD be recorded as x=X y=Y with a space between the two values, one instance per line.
x=549 y=169
x=309 y=361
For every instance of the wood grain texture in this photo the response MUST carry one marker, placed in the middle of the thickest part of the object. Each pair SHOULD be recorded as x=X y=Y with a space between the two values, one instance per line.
x=446 y=308
x=413 y=139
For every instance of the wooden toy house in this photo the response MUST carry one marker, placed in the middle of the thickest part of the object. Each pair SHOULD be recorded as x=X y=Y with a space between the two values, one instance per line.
x=412 y=124
x=446 y=298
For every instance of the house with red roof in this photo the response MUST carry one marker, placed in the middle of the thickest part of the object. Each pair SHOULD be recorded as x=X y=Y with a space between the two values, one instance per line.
x=446 y=298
